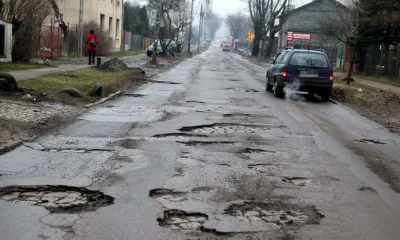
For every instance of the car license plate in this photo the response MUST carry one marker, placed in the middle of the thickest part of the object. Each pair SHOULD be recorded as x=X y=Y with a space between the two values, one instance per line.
x=308 y=74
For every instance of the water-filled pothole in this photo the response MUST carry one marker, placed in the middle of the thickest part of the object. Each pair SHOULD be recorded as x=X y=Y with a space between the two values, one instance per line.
x=182 y=221
x=298 y=181
x=278 y=213
x=55 y=198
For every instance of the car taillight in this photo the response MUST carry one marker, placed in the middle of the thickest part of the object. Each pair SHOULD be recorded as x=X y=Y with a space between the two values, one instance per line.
x=331 y=76
x=284 y=72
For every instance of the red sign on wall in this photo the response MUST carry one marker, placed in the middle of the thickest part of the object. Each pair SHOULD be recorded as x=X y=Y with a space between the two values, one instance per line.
x=301 y=36
x=289 y=36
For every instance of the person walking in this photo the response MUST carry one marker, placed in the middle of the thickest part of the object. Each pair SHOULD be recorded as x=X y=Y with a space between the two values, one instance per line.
x=91 y=42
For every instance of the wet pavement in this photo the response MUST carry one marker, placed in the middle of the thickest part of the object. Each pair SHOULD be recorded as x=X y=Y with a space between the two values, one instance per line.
x=203 y=152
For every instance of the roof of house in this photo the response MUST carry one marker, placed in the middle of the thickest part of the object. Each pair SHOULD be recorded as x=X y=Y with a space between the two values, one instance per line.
x=311 y=3
x=6 y=21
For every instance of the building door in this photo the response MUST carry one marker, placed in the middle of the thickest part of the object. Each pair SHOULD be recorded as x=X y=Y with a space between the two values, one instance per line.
x=2 y=40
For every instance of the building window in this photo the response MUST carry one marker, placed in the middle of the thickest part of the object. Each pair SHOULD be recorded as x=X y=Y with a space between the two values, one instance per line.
x=117 y=34
x=102 y=19
x=110 y=26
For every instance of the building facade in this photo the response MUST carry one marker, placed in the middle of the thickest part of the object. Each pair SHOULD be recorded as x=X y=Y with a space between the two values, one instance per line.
x=6 y=41
x=108 y=14
x=301 y=30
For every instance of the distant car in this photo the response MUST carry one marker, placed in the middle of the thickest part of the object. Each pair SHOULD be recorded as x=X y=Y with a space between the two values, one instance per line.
x=222 y=43
x=301 y=70
x=226 y=48
x=172 y=48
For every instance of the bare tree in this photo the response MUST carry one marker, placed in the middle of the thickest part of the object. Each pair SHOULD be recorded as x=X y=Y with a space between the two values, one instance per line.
x=236 y=23
x=276 y=9
x=27 y=18
x=166 y=9
x=343 y=24
x=258 y=12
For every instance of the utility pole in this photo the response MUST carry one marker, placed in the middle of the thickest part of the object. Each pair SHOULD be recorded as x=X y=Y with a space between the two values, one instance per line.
x=190 y=28
x=156 y=38
x=80 y=33
x=200 y=27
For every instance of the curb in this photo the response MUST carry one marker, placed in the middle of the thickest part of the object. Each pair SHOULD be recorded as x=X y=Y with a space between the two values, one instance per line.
x=10 y=146
x=105 y=99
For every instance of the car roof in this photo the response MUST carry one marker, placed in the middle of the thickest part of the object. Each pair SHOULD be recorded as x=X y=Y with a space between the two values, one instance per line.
x=304 y=51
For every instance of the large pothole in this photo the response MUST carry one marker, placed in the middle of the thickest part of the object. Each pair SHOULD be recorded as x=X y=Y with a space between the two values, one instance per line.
x=57 y=198
x=229 y=128
x=182 y=221
x=298 y=181
x=167 y=194
x=278 y=213
x=264 y=168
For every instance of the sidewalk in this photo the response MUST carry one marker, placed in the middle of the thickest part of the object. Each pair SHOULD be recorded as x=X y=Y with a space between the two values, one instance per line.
x=378 y=85
x=131 y=61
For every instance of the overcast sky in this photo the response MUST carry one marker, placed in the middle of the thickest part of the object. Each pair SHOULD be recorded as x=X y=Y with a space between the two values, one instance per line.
x=224 y=7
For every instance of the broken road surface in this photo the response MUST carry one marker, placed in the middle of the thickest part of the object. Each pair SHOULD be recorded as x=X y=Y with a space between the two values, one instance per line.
x=203 y=152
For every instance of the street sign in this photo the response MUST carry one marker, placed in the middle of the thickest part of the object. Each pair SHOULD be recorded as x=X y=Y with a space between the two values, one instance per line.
x=249 y=33
x=290 y=36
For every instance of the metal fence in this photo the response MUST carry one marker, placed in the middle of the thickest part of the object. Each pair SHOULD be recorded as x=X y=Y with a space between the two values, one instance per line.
x=382 y=59
x=133 y=41
x=50 y=42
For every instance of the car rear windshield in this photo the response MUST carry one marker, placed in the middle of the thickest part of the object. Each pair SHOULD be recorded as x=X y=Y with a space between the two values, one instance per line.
x=309 y=60
x=226 y=46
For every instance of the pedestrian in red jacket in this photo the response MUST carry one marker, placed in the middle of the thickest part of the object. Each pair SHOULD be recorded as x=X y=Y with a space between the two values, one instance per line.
x=91 y=41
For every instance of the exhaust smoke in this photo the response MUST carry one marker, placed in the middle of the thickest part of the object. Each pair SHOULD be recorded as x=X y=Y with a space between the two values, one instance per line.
x=292 y=90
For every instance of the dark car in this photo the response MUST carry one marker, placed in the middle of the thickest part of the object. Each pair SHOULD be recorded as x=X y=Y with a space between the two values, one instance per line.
x=305 y=70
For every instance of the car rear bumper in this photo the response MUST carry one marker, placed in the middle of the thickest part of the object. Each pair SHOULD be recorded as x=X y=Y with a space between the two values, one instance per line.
x=302 y=86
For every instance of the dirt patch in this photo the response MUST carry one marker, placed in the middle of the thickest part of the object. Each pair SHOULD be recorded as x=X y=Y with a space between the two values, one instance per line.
x=23 y=121
x=279 y=213
x=65 y=199
x=114 y=65
x=368 y=101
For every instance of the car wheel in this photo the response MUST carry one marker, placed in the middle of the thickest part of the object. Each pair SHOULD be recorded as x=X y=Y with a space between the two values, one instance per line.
x=278 y=92
x=268 y=87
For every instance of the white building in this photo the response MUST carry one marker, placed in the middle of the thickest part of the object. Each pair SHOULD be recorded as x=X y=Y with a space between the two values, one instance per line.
x=107 y=14
x=6 y=41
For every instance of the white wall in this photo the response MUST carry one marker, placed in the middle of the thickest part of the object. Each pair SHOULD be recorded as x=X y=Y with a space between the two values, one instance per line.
x=8 y=42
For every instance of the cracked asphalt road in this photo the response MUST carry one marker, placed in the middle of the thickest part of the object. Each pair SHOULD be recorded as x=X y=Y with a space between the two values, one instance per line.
x=203 y=152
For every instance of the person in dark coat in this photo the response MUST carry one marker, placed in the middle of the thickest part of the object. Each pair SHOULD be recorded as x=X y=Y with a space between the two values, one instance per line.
x=91 y=42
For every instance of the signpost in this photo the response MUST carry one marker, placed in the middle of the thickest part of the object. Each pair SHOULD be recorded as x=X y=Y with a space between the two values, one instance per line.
x=250 y=37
